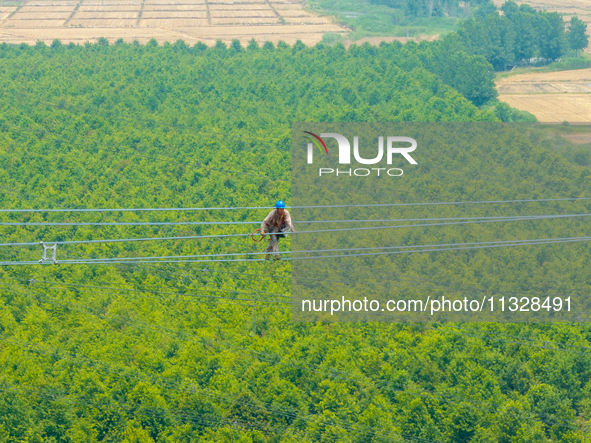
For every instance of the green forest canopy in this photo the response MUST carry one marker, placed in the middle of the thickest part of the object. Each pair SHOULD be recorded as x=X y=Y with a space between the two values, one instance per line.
x=173 y=353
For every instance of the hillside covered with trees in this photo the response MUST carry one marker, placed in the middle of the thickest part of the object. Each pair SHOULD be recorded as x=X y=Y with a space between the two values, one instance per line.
x=161 y=350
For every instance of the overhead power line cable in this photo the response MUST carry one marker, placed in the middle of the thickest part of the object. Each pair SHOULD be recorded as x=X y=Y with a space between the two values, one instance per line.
x=434 y=248
x=258 y=222
x=480 y=202
x=233 y=254
x=119 y=240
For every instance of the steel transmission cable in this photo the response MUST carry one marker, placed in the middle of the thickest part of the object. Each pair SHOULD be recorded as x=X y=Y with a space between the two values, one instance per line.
x=258 y=222
x=482 y=245
x=499 y=244
x=524 y=218
x=477 y=202
x=156 y=260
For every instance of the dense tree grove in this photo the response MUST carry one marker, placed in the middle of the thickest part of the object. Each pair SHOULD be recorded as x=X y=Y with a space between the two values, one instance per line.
x=520 y=33
x=205 y=351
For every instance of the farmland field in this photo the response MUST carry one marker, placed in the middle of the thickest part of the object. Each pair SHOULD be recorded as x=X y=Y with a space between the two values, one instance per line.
x=164 y=20
x=34 y=23
x=550 y=96
x=175 y=14
x=50 y=3
x=149 y=7
x=40 y=15
x=65 y=8
x=105 y=14
x=256 y=7
x=307 y=19
x=173 y=22
x=110 y=8
x=244 y=20
x=243 y=13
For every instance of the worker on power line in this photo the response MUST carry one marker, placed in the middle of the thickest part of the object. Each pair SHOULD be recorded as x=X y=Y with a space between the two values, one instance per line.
x=278 y=220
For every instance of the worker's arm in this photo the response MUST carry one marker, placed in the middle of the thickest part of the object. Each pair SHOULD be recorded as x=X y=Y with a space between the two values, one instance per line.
x=288 y=221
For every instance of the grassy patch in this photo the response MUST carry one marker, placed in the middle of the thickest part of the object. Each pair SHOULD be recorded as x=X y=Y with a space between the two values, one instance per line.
x=370 y=20
x=567 y=64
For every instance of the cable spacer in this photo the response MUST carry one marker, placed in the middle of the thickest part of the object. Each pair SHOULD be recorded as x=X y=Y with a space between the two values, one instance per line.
x=53 y=250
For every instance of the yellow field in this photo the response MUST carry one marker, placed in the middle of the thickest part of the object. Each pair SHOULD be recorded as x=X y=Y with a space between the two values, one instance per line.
x=244 y=21
x=255 y=7
x=175 y=14
x=103 y=23
x=307 y=20
x=175 y=2
x=24 y=24
x=38 y=9
x=79 y=21
x=103 y=15
x=551 y=96
x=52 y=3
x=173 y=23
x=112 y=8
x=168 y=8
x=112 y=3
x=574 y=108
x=40 y=15
x=243 y=14
x=576 y=75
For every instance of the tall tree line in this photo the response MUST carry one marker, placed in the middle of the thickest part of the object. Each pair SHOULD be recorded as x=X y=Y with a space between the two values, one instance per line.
x=519 y=32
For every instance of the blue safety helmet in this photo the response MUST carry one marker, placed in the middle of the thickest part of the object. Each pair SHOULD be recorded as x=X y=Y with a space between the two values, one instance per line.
x=280 y=204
